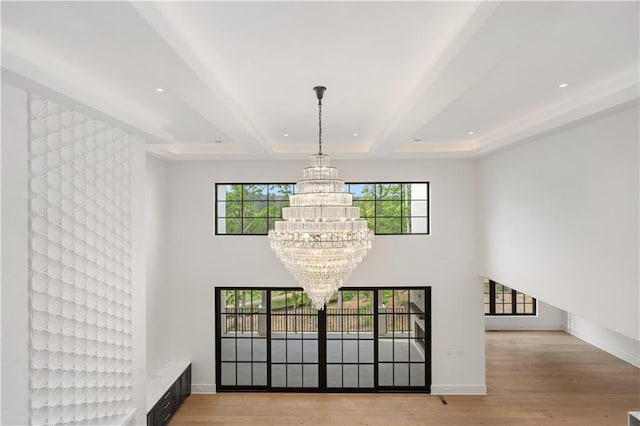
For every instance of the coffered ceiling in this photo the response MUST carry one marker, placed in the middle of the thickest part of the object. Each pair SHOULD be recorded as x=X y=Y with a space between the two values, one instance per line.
x=405 y=79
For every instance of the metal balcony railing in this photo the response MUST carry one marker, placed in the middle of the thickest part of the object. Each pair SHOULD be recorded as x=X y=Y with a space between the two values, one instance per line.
x=305 y=320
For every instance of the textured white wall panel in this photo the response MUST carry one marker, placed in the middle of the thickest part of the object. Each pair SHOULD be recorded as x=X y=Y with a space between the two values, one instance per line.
x=80 y=267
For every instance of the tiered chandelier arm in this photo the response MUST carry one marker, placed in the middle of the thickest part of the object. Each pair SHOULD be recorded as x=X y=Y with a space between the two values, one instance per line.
x=321 y=238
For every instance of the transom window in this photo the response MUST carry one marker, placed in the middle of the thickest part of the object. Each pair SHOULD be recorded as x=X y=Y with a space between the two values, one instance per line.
x=389 y=208
x=502 y=300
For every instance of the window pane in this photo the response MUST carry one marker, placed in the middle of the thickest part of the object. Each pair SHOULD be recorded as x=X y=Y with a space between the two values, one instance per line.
x=280 y=192
x=334 y=376
x=278 y=376
x=385 y=374
x=275 y=208
x=388 y=225
x=230 y=225
x=229 y=192
x=388 y=208
x=414 y=208
x=255 y=209
x=417 y=374
x=388 y=191
x=310 y=376
x=228 y=349
x=414 y=191
x=414 y=225
x=229 y=209
x=367 y=208
x=362 y=191
x=401 y=374
x=254 y=192
x=255 y=226
x=366 y=376
x=259 y=374
x=228 y=373
x=506 y=297
x=260 y=345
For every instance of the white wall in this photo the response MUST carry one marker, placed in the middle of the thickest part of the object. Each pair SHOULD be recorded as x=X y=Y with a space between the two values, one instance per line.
x=547 y=318
x=559 y=219
x=15 y=257
x=445 y=260
x=158 y=301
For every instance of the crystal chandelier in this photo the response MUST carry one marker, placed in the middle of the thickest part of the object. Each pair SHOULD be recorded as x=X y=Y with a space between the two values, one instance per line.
x=321 y=238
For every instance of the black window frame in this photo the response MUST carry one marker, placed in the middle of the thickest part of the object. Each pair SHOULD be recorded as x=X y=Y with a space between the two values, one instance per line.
x=514 y=302
x=375 y=202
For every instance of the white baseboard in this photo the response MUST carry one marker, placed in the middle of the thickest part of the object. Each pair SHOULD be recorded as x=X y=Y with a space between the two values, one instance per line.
x=203 y=388
x=435 y=389
x=605 y=346
x=458 y=389
x=524 y=327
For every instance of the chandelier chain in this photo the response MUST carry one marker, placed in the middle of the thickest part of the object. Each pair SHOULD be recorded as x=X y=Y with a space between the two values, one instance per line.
x=319 y=126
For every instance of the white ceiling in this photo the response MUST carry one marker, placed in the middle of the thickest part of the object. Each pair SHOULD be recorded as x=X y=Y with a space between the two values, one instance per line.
x=412 y=79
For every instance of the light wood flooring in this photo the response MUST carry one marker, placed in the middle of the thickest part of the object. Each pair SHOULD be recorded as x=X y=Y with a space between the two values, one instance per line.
x=533 y=378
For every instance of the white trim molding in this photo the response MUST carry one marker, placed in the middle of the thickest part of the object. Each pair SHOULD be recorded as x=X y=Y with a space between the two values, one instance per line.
x=205 y=388
x=458 y=389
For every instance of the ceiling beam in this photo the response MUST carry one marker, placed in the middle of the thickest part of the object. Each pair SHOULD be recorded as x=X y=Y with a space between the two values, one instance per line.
x=218 y=107
x=622 y=89
x=437 y=89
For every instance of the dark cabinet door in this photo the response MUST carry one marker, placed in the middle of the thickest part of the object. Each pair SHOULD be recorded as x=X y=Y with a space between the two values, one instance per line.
x=185 y=385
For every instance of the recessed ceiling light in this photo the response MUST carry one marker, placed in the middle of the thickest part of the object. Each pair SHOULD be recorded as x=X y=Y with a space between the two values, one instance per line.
x=159 y=89
x=563 y=85
x=471 y=132
x=355 y=134
x=286 y=135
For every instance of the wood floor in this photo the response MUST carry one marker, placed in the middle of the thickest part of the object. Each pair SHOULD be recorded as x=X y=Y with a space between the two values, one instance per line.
x=533 y=378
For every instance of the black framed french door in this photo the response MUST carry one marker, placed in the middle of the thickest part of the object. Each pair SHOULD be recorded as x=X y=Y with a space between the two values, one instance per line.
x=365 y=340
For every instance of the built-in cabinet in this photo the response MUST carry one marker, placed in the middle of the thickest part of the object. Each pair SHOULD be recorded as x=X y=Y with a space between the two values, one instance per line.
x=171 y=400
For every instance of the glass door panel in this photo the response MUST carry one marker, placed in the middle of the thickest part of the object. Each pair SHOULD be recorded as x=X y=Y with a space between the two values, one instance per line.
x=294 y=340
x=350 y=339
x=243 y=338
x=402 y=334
